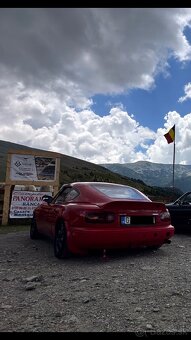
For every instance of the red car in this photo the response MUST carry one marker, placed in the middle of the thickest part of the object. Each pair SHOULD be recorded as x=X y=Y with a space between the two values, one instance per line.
x=98 y=215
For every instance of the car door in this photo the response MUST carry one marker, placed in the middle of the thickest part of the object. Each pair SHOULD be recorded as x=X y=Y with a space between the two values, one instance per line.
x=57 y=208
x=181 y=212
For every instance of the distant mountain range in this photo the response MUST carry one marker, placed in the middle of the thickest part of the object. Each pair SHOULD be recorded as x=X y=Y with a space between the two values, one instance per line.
x=155 y=174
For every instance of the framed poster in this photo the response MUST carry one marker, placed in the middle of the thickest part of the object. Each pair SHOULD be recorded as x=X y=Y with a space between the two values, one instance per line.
x=32 y=168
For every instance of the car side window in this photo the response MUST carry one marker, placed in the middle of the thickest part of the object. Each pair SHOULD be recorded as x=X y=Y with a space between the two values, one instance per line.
x=61 y=198
x=66 y=195
x=71 y=195
x=187 y=199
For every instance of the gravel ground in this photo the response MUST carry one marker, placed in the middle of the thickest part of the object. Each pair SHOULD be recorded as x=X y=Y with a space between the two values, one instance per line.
x=129 y=291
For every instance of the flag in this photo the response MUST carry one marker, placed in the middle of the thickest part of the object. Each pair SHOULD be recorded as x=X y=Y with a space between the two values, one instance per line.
x=170 y=135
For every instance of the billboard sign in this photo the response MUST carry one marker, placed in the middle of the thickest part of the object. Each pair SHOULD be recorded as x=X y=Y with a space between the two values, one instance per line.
x=32 y=168
x=24 y=202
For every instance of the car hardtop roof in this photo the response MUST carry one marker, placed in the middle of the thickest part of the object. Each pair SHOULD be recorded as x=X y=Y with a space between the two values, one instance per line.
x=102 y=183
x=88 y=189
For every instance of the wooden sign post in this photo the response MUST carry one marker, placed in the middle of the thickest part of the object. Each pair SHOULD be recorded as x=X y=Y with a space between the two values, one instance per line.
x=38 y=181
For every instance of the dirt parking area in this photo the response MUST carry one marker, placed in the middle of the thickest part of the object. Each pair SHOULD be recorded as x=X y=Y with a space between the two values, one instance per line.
x=129 y=291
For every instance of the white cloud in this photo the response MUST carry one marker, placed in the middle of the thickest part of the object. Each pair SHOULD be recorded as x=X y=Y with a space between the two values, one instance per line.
x=43 y=121
x=78 y=52
x=187 y=91
x=161 y=151
x=53 y=61
x=115 y=137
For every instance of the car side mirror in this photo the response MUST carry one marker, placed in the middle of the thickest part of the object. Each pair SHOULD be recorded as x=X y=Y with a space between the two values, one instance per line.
x=48 y=199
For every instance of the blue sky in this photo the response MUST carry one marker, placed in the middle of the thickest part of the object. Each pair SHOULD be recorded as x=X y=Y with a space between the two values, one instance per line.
x=150 y=106
x=100 y=84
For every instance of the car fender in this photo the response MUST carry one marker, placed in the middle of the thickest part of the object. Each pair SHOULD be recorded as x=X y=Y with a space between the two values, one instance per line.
x=71 y=245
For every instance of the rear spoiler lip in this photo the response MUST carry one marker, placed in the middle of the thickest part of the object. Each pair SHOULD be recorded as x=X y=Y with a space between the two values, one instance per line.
x=134 y=204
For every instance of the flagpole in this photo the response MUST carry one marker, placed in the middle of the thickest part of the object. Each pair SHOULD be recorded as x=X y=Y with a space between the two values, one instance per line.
x=170 y=137
x=173 y=166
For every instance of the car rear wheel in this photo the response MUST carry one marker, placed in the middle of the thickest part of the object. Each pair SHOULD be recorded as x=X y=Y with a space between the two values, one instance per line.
x=34 y=234
x=61 y=250
x=154 y=247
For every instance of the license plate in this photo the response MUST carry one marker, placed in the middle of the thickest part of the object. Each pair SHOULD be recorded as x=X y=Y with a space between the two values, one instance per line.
x=125 y=220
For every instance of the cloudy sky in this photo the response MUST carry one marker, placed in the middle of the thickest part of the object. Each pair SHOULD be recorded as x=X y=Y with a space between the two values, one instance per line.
x=100 y=84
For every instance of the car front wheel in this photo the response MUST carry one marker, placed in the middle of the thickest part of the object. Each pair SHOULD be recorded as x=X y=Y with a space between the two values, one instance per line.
x=34 y=234
x=61 y=250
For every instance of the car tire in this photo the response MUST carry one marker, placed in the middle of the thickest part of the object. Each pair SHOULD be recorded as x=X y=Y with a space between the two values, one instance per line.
x=34 y=234
x=154 y=247
x=61 y=250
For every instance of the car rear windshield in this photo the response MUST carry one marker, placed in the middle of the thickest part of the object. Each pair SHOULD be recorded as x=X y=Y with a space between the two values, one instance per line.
x=117 y=191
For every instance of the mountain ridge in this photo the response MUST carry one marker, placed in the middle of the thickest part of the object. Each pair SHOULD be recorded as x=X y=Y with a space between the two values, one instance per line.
x=155 y=174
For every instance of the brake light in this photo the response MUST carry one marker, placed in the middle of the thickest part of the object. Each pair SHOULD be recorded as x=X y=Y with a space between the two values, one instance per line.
x=99 y=217
x=165 y=216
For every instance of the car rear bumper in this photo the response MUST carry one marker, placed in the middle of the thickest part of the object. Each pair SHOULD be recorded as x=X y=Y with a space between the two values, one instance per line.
x=88 y=238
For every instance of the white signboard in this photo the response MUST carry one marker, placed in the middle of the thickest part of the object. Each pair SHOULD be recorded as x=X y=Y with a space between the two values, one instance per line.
x=24 y=202
x=32 y=168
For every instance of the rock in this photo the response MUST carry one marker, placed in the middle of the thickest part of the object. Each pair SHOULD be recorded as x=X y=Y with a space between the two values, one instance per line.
x=138 y=309
x=6 y=306
x=34 y=278
x=58 y=314
x=156 y=309
x=149 y=326
x=30 y=286
x=130 y=290
x=74 y=319
x=86 y=300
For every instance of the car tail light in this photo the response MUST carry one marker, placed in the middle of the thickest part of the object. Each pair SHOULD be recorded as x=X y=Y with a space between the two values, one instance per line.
x=165 y=216
x=99 y=217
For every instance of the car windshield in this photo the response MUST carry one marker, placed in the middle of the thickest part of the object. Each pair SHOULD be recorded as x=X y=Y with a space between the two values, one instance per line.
x=118 y=191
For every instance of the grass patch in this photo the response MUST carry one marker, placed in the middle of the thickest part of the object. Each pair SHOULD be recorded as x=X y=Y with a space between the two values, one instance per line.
x=13 y=228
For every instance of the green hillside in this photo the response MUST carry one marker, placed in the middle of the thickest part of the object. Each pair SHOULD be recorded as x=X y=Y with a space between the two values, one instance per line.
x=74 y=170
